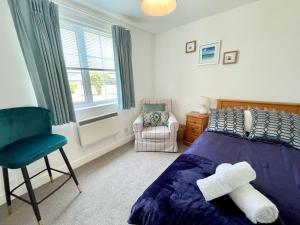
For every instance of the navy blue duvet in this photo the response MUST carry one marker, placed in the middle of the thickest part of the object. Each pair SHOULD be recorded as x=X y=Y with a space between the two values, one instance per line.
x=174 y=198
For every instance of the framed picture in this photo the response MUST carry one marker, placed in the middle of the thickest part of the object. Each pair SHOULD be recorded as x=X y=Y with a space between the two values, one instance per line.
x=190 y=47
x=209 y=54
x=230 y=57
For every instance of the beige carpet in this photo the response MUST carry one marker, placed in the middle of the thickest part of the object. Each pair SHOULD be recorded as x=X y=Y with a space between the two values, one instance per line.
x=111 y=184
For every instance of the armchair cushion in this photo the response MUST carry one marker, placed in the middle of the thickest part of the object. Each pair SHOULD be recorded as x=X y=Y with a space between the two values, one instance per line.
x=167 y=102
x=155 y=133
x=158 y=118
x=154 y=107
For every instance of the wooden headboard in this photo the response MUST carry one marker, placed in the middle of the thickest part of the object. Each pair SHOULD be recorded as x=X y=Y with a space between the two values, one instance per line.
x=288 y=107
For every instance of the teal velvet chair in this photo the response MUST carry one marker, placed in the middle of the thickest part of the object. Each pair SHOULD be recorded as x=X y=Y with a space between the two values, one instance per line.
x=26 y=136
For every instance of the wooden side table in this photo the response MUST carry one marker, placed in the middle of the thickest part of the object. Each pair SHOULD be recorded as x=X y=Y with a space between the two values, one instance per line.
x=195 y=125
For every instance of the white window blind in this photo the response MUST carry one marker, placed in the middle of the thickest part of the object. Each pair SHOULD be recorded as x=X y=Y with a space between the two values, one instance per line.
x=89 y=60
x=70 y=48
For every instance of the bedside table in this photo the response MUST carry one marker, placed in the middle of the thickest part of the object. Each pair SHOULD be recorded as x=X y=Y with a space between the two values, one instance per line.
x=195 y=125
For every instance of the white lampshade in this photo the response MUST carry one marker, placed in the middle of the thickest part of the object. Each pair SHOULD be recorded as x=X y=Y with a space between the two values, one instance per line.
x=204 y=105
x=158 y=7
x=204 y=101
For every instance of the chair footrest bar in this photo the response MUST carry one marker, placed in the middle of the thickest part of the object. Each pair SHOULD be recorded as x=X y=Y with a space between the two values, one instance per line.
x=20 y=198
x=24 y=181
x=59 y=171
x=55 y=190
x=47 y=196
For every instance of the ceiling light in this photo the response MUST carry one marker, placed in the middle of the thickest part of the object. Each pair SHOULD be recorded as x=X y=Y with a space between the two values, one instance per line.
x=158 y=7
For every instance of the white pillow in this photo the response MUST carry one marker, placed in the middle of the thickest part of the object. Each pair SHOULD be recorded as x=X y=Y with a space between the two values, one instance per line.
x=247 y=120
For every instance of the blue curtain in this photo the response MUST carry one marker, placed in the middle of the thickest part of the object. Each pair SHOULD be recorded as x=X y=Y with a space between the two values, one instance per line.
x=123 y=63
x=37 y=26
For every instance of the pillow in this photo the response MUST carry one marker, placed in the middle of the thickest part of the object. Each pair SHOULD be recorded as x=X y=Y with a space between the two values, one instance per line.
x=154 y=107
x=248 y=120
x=229 y=121
x=274 y=126
x=153 y=119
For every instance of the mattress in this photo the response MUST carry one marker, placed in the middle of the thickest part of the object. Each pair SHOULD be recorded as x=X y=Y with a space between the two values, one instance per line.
x=175 y=199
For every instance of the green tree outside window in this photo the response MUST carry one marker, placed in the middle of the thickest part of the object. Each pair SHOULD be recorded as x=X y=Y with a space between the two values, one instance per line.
x=98 y=80
x=73 y=87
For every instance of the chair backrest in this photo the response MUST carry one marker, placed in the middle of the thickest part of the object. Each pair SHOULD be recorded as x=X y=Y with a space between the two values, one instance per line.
x=168 y=102
x=23 y=122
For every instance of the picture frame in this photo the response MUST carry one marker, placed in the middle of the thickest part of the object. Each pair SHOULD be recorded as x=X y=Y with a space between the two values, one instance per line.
x=191 y=47
x=209 y=54
x=230 y=57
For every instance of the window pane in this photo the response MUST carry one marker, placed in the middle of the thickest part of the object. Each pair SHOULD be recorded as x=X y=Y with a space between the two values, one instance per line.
x=92 y=53
x=95 y=62
x=70 y=49
x=93 y=50
x=103 y=86
x=92 y=44
x=107 y=47
x=76 y=86
x=99 y=50
x=108 y=64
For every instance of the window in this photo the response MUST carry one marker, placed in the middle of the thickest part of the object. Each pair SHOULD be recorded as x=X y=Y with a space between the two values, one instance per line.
x=90 y=65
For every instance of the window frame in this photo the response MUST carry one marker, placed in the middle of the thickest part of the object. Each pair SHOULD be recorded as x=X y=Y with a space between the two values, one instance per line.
x=84 y=69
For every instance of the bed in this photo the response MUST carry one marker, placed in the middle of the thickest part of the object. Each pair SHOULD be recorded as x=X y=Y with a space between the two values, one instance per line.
x=174 y=198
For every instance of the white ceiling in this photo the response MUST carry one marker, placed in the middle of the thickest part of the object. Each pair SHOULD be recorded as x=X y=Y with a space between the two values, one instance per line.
x=186 y=12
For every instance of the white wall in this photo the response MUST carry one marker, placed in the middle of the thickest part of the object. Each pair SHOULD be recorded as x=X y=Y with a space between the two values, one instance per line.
x=267 y=35
x=16 y=90
x=15 y=85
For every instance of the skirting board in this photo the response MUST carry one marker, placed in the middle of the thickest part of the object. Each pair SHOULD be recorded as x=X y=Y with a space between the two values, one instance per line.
x=43 y=179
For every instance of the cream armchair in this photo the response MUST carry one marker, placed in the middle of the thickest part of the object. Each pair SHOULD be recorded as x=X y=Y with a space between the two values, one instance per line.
x=156 y=139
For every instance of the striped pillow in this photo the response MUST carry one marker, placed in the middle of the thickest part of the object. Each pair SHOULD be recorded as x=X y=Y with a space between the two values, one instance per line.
x=274 y=126
x=229 y=121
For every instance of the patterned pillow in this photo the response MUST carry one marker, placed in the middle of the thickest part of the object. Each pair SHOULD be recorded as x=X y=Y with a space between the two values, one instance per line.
x=229 y=121
x=153 y=119
x=274 y=126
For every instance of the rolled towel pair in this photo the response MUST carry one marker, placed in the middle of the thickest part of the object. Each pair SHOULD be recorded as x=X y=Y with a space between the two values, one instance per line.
x=257 y=207
x=226 y=180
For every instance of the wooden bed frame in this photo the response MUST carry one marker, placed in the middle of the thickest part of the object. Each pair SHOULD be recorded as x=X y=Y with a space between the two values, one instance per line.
x=288 y=107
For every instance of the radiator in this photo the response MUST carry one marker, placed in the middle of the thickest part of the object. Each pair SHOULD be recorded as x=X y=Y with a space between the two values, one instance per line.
x=98 y=128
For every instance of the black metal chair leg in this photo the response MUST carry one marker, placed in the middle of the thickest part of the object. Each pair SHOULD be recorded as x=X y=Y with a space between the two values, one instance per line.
x=31 y=195
x=7 y=189
x=48 y=168
x=70 y=168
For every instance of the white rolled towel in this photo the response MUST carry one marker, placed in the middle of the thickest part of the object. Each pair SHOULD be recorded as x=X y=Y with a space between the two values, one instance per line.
x=257 y=207
x=226 y=180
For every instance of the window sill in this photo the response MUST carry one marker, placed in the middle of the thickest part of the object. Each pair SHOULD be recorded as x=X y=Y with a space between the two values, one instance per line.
x=78 y=109
x=94 y=111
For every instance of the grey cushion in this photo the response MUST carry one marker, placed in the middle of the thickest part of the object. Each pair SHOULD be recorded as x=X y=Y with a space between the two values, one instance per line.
x=229 y=121
x=154 y=107
x=153 y=119
x=274 y=126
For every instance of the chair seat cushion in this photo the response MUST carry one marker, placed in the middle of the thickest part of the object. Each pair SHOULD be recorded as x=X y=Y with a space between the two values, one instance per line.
x=23 y=152
x=159 y=132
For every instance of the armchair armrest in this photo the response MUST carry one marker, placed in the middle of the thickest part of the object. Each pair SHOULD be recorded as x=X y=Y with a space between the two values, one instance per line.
x=173 y=123
x=138 y=124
